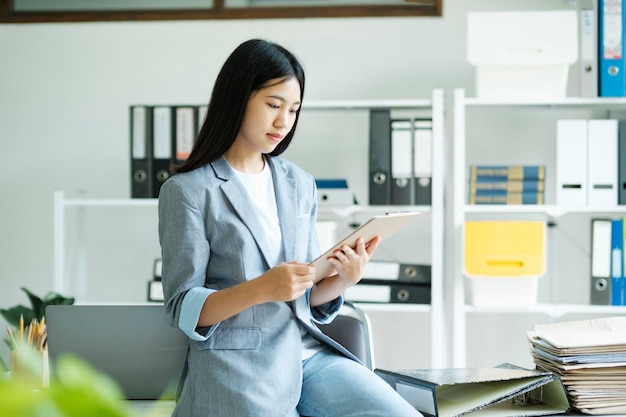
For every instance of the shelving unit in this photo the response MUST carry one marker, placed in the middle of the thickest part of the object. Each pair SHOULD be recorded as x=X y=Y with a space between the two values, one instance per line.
x=463 y=211
x=434 y=106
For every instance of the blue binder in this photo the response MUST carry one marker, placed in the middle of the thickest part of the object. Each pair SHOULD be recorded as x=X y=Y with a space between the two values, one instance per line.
x=611 y=54
x=617 y=247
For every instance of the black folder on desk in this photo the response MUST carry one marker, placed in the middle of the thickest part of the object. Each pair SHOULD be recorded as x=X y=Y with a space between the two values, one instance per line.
x=505 y=390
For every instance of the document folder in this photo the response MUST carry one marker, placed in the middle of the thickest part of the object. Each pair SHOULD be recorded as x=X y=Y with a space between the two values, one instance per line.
x=617 y=261
x=161 y=147
x=621 y=162
x=334 y=192
x=141 y=152
x=588 y=66
x=401 y=162
x=502 y=391
x=184 y=132
x=612 y=18
x=423 y=161
x=571 y=162
x=522 y=54
x=600 y=261
x=380 y=157
x=602 y=162
x=388 y=292
x=396 y=271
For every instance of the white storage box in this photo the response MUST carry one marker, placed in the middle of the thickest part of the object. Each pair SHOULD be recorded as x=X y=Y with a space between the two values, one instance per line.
x=522 y=54
x=503 y=261
x=504 y=291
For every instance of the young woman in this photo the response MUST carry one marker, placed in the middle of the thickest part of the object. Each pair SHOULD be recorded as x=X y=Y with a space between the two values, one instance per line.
x=237 y=230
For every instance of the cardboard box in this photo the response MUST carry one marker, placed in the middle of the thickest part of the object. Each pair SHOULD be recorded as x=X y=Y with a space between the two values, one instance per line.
x=524 y=54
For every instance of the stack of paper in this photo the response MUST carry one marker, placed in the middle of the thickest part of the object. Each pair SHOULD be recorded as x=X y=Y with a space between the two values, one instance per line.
x=590 y=358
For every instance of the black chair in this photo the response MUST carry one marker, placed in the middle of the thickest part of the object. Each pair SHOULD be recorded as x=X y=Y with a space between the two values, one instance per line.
x=352 y=329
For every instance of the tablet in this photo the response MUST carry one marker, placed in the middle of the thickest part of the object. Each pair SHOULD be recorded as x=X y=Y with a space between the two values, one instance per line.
x=383 y=225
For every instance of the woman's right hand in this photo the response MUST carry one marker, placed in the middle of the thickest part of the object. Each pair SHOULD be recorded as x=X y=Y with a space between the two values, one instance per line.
x=286 y=281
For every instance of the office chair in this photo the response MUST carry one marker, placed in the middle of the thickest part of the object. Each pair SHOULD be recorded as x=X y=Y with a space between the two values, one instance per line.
x=352 y=329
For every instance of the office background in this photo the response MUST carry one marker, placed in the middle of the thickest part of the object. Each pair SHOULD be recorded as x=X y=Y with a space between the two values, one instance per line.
x=65 y=89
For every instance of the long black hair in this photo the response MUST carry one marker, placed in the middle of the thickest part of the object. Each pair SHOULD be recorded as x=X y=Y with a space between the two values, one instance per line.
x=248 y=68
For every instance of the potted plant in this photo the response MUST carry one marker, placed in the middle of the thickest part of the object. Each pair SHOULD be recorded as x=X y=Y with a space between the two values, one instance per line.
x=37 y=309
x=23 y=320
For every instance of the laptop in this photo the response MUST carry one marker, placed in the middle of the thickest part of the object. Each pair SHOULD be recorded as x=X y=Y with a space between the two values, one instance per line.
x=131 y=343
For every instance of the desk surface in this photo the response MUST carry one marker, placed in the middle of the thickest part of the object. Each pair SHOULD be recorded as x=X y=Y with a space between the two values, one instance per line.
x=151 y=408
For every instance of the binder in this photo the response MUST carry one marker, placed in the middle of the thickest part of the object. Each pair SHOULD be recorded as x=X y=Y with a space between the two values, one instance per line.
x=504 y=390
x=571 y=162
x=382 y=292
x=389 y=271
x=422 y=161
x=588 y=46
x=141 y=152
x=185 y=124
x=334 y=192
x=380 y=157
x=161 y=146
x=602 y=162
x=512 y=186
x=612 y=16
x=600 y=262
x=621 y=162
x=623 y=296
x=526 y=197
x=487 y=173
x=401 y=162
x=617 y=259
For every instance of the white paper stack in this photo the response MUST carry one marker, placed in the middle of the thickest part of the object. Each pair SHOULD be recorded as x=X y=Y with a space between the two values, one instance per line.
x=590 y=358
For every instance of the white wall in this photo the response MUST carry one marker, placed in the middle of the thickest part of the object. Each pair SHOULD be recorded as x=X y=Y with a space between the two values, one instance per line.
x=65 y=90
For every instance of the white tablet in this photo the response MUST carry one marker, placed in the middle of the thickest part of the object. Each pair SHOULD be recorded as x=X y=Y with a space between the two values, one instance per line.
x=383 y=225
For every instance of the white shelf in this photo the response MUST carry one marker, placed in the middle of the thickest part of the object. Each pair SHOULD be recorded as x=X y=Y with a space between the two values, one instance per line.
x=434 y=105
x=562 y=102
x=550 y=210
x=397 y=308
x=366 y=104
x=462 y=211
x=551 y=310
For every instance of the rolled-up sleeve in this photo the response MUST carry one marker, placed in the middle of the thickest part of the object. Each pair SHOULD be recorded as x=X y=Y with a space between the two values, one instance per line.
x=190 y=314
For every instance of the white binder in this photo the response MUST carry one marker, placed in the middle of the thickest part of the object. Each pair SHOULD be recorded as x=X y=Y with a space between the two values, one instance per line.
x=588 y=67
x=522 y=54
x=602 y=162
x=571 y=162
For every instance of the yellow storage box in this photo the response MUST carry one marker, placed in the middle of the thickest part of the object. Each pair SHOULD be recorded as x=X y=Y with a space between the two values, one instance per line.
x=503 y=260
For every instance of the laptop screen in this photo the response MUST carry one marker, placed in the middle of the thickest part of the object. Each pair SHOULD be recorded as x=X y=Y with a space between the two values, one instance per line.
x=131 y=343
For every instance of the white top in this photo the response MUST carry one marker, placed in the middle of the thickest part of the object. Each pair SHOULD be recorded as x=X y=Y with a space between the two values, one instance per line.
x=260 y=188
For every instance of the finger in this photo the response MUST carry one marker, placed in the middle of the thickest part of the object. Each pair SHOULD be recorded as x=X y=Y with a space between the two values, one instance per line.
x=372 y=245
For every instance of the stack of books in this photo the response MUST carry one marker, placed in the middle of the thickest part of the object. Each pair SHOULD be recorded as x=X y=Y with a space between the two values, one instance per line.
x=590 y=358
x=507 y=184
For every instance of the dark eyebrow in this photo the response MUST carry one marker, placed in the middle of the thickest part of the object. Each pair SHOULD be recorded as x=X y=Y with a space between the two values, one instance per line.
x=296 y=103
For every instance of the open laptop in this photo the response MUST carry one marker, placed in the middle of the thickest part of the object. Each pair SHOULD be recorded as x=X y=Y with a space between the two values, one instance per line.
x=131 y=343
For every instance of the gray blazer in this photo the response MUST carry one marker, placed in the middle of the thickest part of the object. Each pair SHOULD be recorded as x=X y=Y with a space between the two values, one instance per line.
x=211 y=237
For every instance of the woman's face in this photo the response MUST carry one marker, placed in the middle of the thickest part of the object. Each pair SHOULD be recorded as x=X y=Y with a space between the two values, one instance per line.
x=270 y=115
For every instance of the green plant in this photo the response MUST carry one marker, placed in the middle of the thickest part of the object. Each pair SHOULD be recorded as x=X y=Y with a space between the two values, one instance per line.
x=76 y=390
x=37 y=308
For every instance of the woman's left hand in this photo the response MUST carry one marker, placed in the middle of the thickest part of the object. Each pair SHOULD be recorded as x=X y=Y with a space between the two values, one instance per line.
x=350 y=263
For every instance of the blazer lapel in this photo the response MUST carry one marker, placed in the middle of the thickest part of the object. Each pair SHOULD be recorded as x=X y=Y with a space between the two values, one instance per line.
x=236 y=193
x=286 y=190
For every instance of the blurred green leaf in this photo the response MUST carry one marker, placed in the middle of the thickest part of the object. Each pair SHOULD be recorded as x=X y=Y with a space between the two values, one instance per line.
x=12 y=315
x=36 y=304
x=76 y=390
